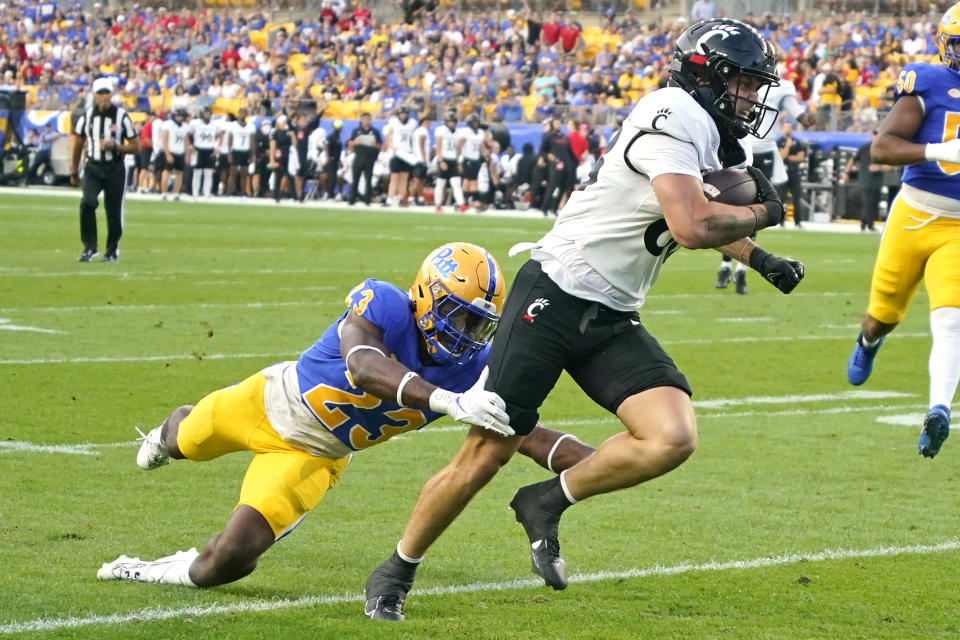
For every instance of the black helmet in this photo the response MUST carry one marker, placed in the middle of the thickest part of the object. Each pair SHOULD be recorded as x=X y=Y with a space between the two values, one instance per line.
x=450 y=116
x=712 y=52
x=473 y=119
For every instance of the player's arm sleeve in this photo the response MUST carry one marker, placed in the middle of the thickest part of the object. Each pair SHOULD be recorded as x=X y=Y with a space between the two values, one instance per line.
x=654 y=154
x=793 y=108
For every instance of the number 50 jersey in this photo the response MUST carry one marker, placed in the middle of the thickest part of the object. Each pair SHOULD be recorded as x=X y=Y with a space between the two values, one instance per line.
x=938 y=88
x=313 y=403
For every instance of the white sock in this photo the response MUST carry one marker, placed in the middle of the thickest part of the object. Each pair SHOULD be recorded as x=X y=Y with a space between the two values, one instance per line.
x=869 y=344
x=740 y=267
x=944 y=355
x=197 y=173
x=726 y=264
x=566 y=491
x=407 y=558
x=438 y=193
x=457 y=184
x=207 y=182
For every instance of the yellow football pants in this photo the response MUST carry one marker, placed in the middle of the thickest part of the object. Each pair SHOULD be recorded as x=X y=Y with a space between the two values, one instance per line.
x=282 y=483
x=930 y=252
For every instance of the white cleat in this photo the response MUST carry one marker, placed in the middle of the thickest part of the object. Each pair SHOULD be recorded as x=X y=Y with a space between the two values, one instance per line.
x=168 y=570
x=152 y=453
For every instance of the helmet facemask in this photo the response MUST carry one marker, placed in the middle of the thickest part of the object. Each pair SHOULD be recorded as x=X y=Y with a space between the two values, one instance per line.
x=454 y=329
x=457 y=297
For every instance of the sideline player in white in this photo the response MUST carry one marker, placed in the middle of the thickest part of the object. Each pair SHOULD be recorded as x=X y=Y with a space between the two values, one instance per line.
x=574 y=306
x=203 y=138
x=421 y=153
x=242 y=134
x=448 y=169
x=471 y=140
x=399 y=136
x=766 y=157
x=174 y=145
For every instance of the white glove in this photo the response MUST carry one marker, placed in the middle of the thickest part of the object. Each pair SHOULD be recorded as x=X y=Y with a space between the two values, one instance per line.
x=948 y=151
x=474 y=406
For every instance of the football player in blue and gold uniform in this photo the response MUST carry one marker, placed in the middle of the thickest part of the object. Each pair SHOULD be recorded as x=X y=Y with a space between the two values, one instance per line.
x=921 y=239
x=393 y=362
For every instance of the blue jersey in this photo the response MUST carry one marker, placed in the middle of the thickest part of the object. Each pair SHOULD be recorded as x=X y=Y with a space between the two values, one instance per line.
x=938 y=89
x=355 y=417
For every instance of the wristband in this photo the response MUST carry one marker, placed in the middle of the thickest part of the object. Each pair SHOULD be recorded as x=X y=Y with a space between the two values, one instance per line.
x=440 y=400
x=756 y=218
x=407 y=377
x=757 y=257
x=941 y=152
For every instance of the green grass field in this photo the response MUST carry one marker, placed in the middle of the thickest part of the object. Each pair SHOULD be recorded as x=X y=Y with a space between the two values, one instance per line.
x=805 y=512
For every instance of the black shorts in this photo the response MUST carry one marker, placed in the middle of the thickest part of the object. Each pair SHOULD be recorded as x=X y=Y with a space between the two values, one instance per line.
x=471 y=169
x=143 y=158
x=306 y=168
x=419 y=171
x=398 y=165
x=176 y=165
x=241 y=159
x=544 y=330
x=452 y=170
x=205 y=159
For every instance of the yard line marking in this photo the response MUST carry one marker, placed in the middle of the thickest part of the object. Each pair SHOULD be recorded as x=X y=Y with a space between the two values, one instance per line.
x=6 y=326
x=810 y=397
x=90 y=448
x=694 y=341
x=7 y=446
x=745 y=319
x=23 y=272
x=277 y=356
x=903 y=419
x=176 y=305
x=151 y=614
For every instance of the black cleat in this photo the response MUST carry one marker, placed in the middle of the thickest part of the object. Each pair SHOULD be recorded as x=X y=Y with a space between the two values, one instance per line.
x=386 y=589
x=111 y=256
x=87 y=255
x=542 y=528
x=724 y=276
x=741 y=279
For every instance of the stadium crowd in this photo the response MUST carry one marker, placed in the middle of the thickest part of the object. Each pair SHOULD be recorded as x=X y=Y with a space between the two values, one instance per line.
x=292 y=80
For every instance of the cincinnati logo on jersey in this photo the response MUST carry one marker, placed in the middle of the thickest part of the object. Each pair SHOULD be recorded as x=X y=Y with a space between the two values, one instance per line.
x=661 y=115
x=535 y=308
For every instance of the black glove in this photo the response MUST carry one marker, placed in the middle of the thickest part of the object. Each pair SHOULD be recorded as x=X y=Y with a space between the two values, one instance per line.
x=768 y=196
x=783 y=273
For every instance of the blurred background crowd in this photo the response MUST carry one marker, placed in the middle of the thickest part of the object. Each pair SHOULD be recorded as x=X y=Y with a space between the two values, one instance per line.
x=580 y=63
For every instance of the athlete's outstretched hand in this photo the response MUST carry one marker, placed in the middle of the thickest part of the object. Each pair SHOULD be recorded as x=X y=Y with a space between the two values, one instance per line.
x=475 y=406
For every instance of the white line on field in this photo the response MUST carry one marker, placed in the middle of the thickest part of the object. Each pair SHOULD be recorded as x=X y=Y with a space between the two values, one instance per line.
x=146 y=615
x=221 y=356
x=745 y=319
x=6 y=326
x=178 y=356
x=90 y=448
x=860 y=394
x=179 y=305
x=19 y=445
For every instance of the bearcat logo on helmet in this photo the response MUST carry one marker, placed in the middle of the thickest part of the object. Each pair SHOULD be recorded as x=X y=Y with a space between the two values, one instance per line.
x=722 y=30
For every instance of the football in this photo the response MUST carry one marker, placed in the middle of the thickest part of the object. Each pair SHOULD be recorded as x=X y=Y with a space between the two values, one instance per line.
x=730 y=186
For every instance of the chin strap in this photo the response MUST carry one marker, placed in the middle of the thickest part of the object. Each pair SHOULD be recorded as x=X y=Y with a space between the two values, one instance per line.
x=731 y=152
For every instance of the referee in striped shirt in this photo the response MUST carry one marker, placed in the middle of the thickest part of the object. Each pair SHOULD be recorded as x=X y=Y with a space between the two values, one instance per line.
x=105 y=133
